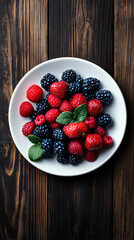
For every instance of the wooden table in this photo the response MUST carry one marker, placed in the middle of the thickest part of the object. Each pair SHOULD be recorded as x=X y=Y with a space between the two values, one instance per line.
x=33 y=204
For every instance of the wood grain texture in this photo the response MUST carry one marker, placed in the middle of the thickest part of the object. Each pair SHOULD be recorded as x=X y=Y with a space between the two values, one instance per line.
x=23 y=189
x=123 y=211
x=81 y=207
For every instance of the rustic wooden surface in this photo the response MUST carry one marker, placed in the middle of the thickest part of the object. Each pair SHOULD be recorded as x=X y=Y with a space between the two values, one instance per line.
x=35 y=205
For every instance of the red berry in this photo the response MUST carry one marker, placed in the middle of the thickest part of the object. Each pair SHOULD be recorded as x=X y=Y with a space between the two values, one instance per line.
x=55 y=125
x=28 y=128
x=26 y=109
x=59 y=89
x=77 y=99
x=66 y=106
x=90 y=156
x=75 y=147
x=100 y=130
x=52 y=114
x=93 y=142
x=90 y=121
x=34 y=93
x=107 y=141
x=94 y=107
x=54 y=101
x=40 y=120
x=75 y=130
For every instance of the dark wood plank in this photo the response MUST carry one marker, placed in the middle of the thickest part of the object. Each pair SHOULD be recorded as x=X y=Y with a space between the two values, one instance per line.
x=81 y=207
x=23 y=189
x=123 y=204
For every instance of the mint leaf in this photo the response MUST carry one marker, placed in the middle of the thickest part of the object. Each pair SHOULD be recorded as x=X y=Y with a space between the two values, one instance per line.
x=34 y=139
x=35 y=152
x=65 y=118
x=80 y=113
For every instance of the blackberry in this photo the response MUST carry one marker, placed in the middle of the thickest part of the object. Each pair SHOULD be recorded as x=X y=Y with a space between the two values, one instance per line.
x=74 y=88
x=104 y=120
x=47 y=95
x=69 y=76
x=74 y=159
x=43 y=131
x=47 y=80
x=58 y=134
x=90 y=85
x=47 y=145
x=105 y=96
x=62 y=158
x=90 y=96
x=59 y=147
x=34 y=115
x=42 y=106
x=79 y=79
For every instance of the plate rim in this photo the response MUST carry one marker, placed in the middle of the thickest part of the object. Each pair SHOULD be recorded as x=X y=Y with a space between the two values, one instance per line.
x=10 y=107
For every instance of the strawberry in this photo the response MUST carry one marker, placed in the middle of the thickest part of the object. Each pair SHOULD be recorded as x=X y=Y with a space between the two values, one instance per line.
x=28 y=128
x=59 y=89
x=93 y=142
x=26 y=109
x=90 y=121
x=107 y=141
x=54 y=101
x=94 y=107
x=75 y=147
x=100 y=130
x=75 y=130
x=77 y=99
x=55 y=125
x=90 y=156
x=52 y=114
x=40 y=120
x=66 y=106
x=34 y=93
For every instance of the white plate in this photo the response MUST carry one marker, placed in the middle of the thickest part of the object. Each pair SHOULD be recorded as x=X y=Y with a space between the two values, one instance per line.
x=117 y=109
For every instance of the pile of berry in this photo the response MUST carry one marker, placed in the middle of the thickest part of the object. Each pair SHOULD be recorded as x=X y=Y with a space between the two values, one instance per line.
x=70 y=121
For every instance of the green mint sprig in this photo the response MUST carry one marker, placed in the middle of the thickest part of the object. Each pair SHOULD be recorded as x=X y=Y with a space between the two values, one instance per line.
x=79 y=115
x=36 y=151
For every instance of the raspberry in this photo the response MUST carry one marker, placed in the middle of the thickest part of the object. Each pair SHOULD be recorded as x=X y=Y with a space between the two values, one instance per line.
x=100 y=130
x=34 y=93
x=104 y=96
x=107 y=141
x=75 y=147
x=52 y=114
x=91 y=122
x=58 y=134
x=69 y=76
x=59 y=89
x=43 y=131
x=59 y=147
x=94 y=107
x=47 y=80
x=54 y=101
x=93 y=142
x=28 y=128
x=62 y=158
x=75 y=130
x=104 y=120
x=40 y=120
x=74 y=159
x=90 y=156
x=55 y=125
x=66 y=106
x=47 y=145
x=26 y=109
x=77 y=99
